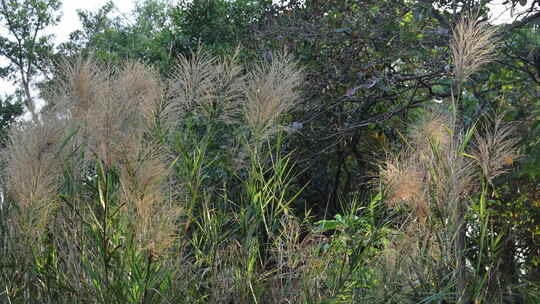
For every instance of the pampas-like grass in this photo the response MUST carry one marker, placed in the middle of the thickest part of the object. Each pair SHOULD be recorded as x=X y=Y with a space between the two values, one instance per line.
x=143 y=86
x=440 y=168
x=215 y=89
x=110 y=105
x=211 y=87
x=105 y=113
x=102 y=159
x=432 y=131
x=77 y=86
x=495 y=147
x=271 y=92
x=129 y=103
x=473 y=45
x=34 y=170
x=152 y=216
x=434 y=177
x=453 y=173
x=406 y=183
x=432 y=173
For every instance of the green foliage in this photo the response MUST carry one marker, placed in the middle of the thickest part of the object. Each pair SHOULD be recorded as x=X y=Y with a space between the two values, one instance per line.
x=220 y=25
x=9 y=111
x=25 y=45
x=357 y=241
x=145 y=35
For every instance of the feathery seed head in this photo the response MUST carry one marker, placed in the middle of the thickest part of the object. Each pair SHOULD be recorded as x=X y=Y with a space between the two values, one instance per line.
x=271 y=92
x=143 y=176
x=112 y=111
x=110 y=106
x=473 y=44
x=34 y=170
x=210 y=87
x=405 y=183
x=495 y=147
x=77 y=87
x=142 y=85
x=432 y=132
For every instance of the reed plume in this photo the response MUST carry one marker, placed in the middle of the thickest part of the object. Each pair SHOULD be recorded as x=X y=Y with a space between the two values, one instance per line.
x=405 y=180
x=495 y=147
x=473 y=45
x=109 y=105
x=115 y=111
x=143 y=178
x=211 y=87
x=271 y=92
x=34 y=170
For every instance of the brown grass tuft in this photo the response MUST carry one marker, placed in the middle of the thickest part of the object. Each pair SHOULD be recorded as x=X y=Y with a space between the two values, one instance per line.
x=110 y=106
x=271 y=92
x=432 y=173
x=77 y=89
x=34 y=171
x=495 y=147
x=115 y=111
x=473 y=44
x=143 y=177
x=142 y=86
x=208 y=86
x=405 y=182
x=434 y=131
